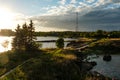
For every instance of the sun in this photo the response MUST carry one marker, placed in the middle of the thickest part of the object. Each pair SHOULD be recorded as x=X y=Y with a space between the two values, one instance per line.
x=6 y=18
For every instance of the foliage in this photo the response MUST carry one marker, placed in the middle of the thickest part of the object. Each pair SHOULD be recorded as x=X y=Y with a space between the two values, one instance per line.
x=60 y=43
x=46 y=66
x=103 y=46
x=11 y=59
x=17 y=74
x=71 y=34
x=50 y=65
x=24 y=38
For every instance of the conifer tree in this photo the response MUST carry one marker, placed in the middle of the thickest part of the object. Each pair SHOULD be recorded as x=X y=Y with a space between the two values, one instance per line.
x=24 y=38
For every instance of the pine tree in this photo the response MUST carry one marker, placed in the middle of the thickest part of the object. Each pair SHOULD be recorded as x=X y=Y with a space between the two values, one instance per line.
x=24 y=38
x=17 y=40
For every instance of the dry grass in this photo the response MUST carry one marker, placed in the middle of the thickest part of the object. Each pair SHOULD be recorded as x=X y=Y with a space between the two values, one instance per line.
x=115 y=39
x=85 y=39
x=70 y=57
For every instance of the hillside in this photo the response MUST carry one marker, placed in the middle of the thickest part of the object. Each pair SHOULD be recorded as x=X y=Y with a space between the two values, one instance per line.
x=51 y=65
x=104 y=46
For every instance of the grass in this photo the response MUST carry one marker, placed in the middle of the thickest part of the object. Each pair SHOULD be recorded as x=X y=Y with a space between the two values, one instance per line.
x=104 y=46
x=48 y=64
x=11 y=59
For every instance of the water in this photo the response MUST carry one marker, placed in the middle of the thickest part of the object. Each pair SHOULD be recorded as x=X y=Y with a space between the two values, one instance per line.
x=51 y=44
x=110 y=69
x=5 y=42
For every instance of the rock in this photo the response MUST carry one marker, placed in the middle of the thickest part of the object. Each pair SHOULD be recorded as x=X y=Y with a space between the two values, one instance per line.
x=97 y=76
x=93 y=63
x=107 y=57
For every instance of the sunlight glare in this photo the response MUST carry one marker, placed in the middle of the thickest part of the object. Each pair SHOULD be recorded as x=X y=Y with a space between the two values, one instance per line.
x=6 y=18
x=5 y=46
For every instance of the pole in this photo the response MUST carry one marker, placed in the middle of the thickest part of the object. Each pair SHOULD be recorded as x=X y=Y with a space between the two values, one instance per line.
x=76 y=29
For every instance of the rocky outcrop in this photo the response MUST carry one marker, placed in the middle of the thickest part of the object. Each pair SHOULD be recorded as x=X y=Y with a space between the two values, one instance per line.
x=107 y=57
x=85 y=66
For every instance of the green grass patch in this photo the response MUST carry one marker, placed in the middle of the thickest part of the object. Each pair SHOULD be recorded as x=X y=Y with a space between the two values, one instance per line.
x=49 y=64
x=11 y=59
x=104 y=46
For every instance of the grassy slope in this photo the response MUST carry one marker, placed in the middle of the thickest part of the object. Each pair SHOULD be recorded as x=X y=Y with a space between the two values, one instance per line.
x=103 y=46
x=11 y=59
x=46 y=65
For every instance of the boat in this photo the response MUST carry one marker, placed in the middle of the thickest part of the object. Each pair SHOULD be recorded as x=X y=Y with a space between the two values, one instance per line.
x=107 y=57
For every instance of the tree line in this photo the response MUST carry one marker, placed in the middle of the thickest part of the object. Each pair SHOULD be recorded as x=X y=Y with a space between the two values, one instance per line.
x=71 y=34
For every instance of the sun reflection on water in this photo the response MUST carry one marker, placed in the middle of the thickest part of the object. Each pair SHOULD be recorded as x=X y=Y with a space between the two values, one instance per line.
x=5 y=43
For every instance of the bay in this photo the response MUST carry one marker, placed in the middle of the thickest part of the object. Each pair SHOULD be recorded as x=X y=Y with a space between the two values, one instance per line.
x=6 y=42
x=108 y=68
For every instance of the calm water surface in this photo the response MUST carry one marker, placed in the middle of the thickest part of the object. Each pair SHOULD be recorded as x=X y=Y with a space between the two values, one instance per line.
x=5 y=42
x=51 y=44
x=110 y=69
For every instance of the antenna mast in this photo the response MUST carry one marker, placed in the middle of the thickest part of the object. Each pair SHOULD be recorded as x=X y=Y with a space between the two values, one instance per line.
x=76 y=29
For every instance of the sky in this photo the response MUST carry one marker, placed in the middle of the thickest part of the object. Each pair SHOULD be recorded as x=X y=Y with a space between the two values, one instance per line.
x=60 y=15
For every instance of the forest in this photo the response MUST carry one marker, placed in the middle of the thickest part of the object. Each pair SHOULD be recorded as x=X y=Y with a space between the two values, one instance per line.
x=70 y=34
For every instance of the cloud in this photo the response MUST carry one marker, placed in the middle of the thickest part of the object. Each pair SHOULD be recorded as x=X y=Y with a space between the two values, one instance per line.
x=89 y=1
x=94 y=20
x=93 y=3
x=73 y=1
x=115 y=1
x=61 y=10
x=81 y=6
x=93 y=15
x=62 y=2
x=60 y=22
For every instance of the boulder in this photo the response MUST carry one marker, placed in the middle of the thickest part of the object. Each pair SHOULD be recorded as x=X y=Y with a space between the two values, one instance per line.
x=107 y=57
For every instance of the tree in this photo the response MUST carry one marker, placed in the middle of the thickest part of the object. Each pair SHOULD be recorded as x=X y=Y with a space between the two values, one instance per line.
x=24 y=38
x=17 y=41
x=60 y=43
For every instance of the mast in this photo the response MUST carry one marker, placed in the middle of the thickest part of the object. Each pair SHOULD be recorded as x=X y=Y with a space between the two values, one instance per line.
x=76 y=28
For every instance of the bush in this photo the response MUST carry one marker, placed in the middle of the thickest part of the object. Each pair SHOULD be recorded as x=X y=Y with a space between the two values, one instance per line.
x=60 y=43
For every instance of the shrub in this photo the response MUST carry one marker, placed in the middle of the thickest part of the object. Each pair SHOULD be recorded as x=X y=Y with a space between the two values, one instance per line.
x=60 y=43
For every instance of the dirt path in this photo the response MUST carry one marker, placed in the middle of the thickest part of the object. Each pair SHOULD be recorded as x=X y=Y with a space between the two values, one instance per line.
x=14 y=69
